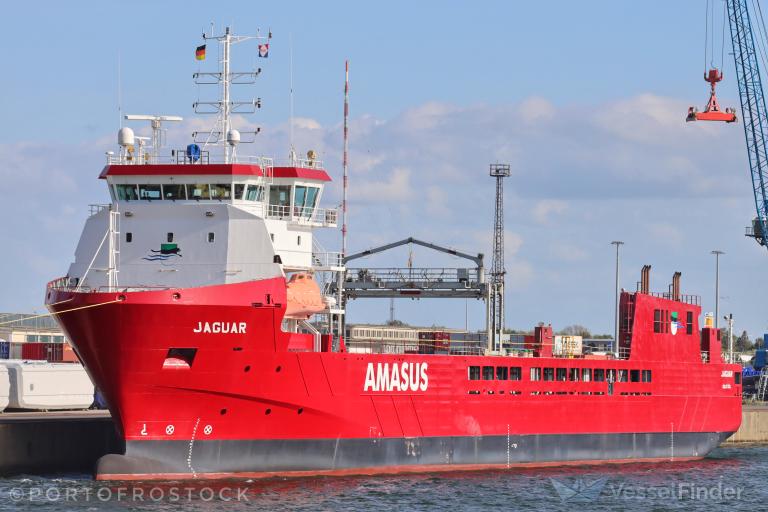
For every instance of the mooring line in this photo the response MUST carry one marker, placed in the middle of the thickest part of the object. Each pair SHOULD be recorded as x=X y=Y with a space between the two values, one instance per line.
x=60 y=312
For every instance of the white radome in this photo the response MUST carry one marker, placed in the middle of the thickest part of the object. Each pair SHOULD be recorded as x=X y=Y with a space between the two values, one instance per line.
x=233 y=137
x=125 y=137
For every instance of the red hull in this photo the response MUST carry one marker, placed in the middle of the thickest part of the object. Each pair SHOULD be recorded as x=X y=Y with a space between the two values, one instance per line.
x=248 y=384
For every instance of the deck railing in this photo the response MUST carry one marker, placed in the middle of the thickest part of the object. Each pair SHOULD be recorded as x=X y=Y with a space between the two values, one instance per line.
x=464 y=347
x=686 y=298
x=179 y=157
x=326 y=217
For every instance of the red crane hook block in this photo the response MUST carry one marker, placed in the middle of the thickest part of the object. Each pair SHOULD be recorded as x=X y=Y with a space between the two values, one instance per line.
x=712 y=111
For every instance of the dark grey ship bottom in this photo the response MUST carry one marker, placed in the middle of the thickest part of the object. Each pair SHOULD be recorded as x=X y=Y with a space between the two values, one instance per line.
x=198 y=459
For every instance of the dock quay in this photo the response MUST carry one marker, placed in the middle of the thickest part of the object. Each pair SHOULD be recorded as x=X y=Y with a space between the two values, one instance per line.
x=55 y=442
x=754 y=424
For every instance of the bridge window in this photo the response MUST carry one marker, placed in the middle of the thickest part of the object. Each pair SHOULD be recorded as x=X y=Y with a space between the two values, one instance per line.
x=239 y=191
x=573 y=374
x=198 y=191
x=221 y=191
x=689 y=322
x=126 y=192
x=561 y=374
x=280 y=195
x=174 y=192
x=474 y=373
x=254 y=193
x=586 y=374
x=515 y=373
x=487 y=372
x=150 y=192
x=646 y=375
x=599 y=375
x=634 y=375
x=535 y=374
x=549 y=374
x=611 y=375
x=622 y=375
x=502 y=373
x=304 y=200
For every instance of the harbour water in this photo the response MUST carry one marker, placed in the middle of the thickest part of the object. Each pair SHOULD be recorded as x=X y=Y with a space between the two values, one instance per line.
x=732 y=476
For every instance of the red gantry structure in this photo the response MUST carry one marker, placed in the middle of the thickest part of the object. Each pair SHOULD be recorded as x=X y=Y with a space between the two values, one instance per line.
x=189 y=302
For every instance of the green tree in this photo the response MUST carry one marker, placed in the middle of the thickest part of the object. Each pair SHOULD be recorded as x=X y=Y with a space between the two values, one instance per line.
x=576 y=330
x=742 y=343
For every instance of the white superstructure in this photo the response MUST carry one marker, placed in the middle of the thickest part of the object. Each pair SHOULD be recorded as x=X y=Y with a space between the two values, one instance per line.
x=202 y=215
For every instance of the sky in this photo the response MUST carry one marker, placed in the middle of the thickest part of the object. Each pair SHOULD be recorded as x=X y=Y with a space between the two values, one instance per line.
x=585 y=100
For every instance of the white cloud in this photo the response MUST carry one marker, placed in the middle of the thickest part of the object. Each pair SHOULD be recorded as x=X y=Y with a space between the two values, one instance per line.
x=567 y=252
x=536 y=108
x=394 y=188
x=666 y=233
x=546 y=207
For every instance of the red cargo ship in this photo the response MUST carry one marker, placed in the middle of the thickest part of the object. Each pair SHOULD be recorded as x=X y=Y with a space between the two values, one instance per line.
x=188 y=303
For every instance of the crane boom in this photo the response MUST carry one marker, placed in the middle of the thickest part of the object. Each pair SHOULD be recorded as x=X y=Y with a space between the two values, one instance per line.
x=753 y=112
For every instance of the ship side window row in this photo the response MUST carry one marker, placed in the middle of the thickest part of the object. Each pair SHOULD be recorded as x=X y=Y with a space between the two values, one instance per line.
x=551 y=374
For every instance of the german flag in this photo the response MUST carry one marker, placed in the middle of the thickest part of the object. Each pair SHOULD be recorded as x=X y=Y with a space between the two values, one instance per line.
x=200 y=53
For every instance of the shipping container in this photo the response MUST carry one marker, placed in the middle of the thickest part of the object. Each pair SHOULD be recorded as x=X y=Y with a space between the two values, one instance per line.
x=52 y=352
x=567 y=346
x=5 y=349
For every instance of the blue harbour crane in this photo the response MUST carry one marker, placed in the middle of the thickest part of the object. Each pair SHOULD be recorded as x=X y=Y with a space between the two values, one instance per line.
x=753 y=110
x=750 y=49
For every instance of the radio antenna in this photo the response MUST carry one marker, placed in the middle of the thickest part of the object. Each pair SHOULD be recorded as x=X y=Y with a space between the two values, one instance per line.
x=119 y=91
x=292 y=150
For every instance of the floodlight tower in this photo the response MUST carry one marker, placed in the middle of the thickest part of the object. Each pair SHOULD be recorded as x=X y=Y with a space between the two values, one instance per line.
x=496 y=289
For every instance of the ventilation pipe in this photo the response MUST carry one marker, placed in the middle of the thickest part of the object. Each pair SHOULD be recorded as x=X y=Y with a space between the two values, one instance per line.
x=645 y=279
x=676 y=286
